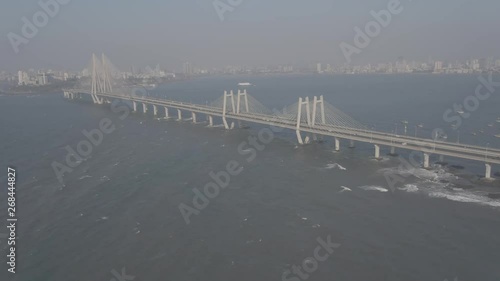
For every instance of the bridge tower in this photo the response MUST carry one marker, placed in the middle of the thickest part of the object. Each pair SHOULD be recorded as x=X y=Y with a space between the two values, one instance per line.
x=96 y=82
x=106 y=81
x=242 y=97
x=224 y=108
x=242 y=94
x=101 y=79
x=319 y=102
x=301 y=103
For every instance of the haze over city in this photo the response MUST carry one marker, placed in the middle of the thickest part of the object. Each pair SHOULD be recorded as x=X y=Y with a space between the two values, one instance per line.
x=140 y=33
x=235 y=140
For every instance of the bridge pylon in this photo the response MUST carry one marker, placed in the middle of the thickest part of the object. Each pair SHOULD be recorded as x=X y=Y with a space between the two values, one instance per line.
x=318 y=102
x=224 y=108
x=302 y=102
x=101 y=79
x=242 y=94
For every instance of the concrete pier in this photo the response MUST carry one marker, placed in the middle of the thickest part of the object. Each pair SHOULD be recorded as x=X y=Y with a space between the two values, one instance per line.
x=488 y=172
x=393 y=150
x=426 y=160
x=155 y=110
x=210 y=120
x=144 y=108
x=377 y=151
x=135 y=106
x=193 y=116
x=337 y=144
x=179 y=115
x=166 y=112
x=299 y=137
x=351 y=144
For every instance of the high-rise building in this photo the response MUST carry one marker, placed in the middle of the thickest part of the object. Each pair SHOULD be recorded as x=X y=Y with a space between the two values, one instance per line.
x=438 y=66
x=319 y=69
x=187 y=68
x=20 y=78
x=41 y=79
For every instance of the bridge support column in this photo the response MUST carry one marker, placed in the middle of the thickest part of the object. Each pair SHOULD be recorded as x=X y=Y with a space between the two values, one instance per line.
x=210 y=121
x=351 y=144
x=144 y=108
x=393 y=150
x=166 y=113
x=179 y=115
x=193 y=115
x=299 y=116
x=99 y=100
x=441 y=158
x=337 y=144
x=135 y=106
x=155 y=110
x=488 y=172
x=377 y=151
x=226 y=95
x=299 y=137
x=426 y=160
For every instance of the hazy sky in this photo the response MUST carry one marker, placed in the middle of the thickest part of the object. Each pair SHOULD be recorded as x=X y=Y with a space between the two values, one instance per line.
x=169 y=32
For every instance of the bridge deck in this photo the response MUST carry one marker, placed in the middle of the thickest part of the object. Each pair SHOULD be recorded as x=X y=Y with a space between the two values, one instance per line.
x=471 y=152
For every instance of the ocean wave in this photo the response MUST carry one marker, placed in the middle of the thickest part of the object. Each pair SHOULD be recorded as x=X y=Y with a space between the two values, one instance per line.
x=374 y=188
x=409 y=188
x=335 y=165
x=466 y=197
x=436 y=175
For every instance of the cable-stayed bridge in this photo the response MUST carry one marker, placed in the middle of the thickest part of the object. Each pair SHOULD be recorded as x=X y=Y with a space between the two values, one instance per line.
x=310 y=117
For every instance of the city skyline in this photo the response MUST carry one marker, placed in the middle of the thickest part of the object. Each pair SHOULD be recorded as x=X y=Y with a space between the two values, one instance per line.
x=251 y=33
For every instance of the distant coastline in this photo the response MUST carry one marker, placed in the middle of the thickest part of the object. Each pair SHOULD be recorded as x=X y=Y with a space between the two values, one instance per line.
x=45 y=89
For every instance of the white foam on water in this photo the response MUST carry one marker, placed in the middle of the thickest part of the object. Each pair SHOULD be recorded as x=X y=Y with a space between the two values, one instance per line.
x=435 y=184
x=335 y=165
x=374 y=188
x=345 y=188
x=433 y=175
x=409 y=188
x=466 y=197
x=84 y=177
